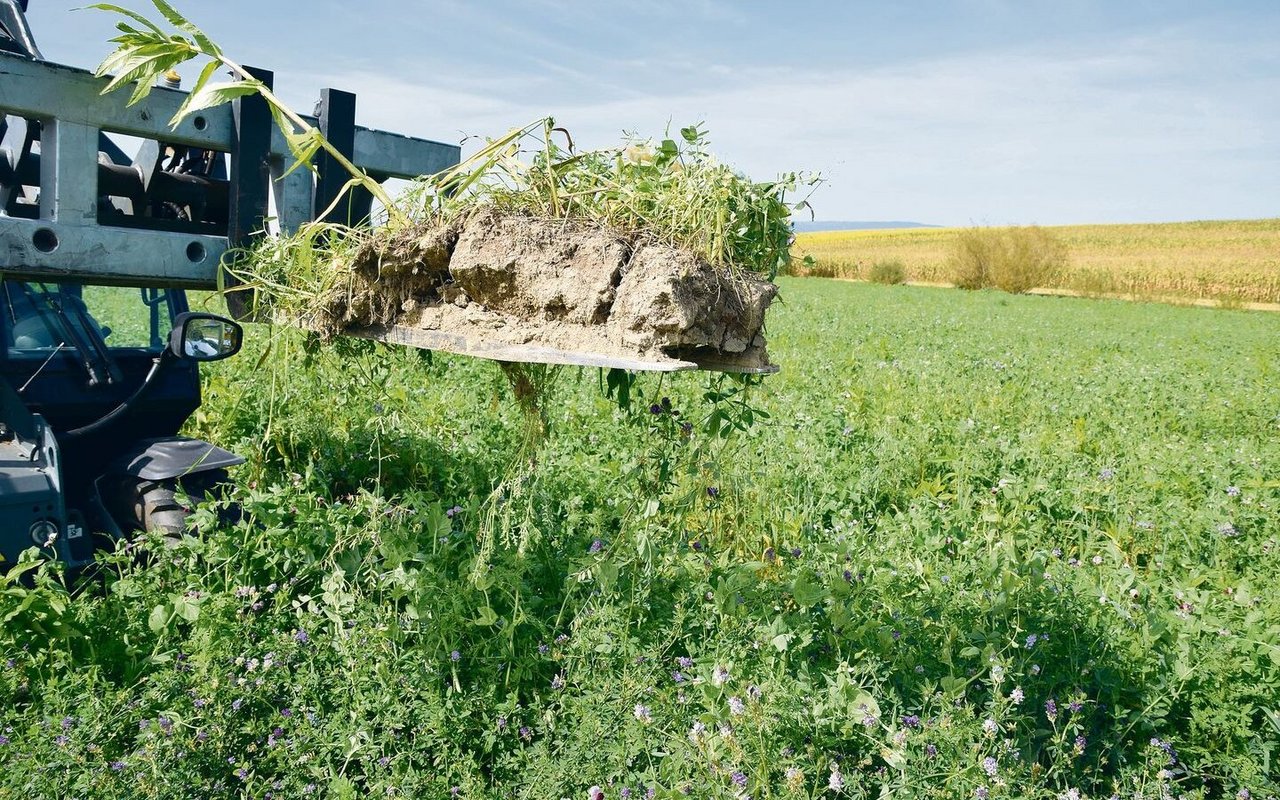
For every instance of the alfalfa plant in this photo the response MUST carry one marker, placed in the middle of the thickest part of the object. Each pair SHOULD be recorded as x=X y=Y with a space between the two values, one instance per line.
x=1015 y=259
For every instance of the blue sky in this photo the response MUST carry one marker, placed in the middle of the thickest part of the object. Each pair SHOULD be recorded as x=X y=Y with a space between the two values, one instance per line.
x=962 y=112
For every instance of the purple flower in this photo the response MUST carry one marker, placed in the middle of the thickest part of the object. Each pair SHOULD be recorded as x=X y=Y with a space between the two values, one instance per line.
x=713 y=491
x=526 y=732
x=1074 y=706
x=1031 y=641
x=626 y=792
x=596 y=546
x=981 y=793
x=836 y=781
x=931 y=750
x=455 y=656
x=754 y=692
x=911 y=721
x=1107 y=474
x=720 y=676
x=990 y=766
x=117 y=765
x=4 y=740
x=1051 y=709
x=502 y=723
x=796 y=552
x=641 y=712
x=67 y=722
x=301 y=637
x=286 y=712
x=736 y=706
x=61 y=740
x=557 y=682
x=543 y=648
x=684 y=662
x=1233 y=491
x=235 y=705
x=739 y=778
x=384 y=761
x=1080 y=744
x=677 y=676
x=1016 y=696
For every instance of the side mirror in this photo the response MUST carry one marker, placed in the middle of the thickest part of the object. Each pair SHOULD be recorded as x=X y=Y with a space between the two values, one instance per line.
x=204 y=337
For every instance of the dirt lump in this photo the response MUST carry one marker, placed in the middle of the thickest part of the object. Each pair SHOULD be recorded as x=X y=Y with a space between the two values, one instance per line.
x=564 y=285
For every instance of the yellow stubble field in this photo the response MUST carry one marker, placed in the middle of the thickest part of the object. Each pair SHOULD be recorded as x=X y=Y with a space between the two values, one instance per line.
x=1231 y=262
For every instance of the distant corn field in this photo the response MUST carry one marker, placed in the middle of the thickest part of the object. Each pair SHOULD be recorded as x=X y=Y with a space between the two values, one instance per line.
x=1227 y=262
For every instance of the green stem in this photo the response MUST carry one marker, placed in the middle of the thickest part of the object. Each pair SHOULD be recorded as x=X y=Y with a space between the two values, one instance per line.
x=303 y=126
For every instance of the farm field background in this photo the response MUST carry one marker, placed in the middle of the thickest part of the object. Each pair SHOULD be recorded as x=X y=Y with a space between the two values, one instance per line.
x=1228 y=262
x=981 y=546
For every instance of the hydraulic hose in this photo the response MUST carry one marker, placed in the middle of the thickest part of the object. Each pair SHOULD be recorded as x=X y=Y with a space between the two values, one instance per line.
x=123 y=408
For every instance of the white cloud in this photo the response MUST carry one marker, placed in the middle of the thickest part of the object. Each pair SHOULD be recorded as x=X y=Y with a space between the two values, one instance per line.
x=1019 y=136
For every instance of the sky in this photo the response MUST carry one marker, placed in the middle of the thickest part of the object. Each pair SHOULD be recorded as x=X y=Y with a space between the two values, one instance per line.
x=952 y=113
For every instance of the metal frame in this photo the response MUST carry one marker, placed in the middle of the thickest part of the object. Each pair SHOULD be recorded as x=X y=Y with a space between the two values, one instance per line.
x=67 y=241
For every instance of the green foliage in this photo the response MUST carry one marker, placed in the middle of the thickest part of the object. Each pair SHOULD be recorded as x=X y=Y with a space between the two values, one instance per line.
x=942 y=525
x=671 y=189
x=889 y=273
x=1012 y=259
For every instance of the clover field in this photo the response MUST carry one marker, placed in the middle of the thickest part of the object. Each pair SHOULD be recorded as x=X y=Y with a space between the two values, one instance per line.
x=964 y=545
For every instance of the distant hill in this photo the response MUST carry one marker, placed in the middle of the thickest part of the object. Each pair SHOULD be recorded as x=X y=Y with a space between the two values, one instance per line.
x=822 y=225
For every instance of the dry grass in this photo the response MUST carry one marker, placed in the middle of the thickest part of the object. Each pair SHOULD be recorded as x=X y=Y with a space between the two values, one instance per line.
x=1231 y=262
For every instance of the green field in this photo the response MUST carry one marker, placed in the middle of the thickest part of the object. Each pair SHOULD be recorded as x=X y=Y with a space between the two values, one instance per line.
x=1228 y=262
x=980 y=546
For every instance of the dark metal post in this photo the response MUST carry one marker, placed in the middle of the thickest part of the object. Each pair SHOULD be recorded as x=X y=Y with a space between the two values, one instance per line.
x=336 y=115
x=250 y=181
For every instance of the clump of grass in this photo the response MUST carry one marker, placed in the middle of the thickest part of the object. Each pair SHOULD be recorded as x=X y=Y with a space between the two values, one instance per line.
x=670 y=189
x=1015 y=259
x=890 y=272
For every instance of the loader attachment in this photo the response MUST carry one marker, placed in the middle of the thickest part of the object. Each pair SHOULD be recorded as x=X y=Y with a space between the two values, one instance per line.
x=480 y=347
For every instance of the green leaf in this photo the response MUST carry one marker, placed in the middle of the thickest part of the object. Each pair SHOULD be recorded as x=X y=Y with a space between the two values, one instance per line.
x=486 y=617
x=135 y=16
x=171 y=14
x=214 y=94
x=807 y=591
x=159 y=619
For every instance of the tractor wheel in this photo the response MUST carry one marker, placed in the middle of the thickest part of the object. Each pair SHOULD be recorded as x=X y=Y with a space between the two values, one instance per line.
x=164 y=506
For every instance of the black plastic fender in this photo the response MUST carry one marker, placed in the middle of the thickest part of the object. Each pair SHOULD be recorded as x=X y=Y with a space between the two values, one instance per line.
x=171 y=457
